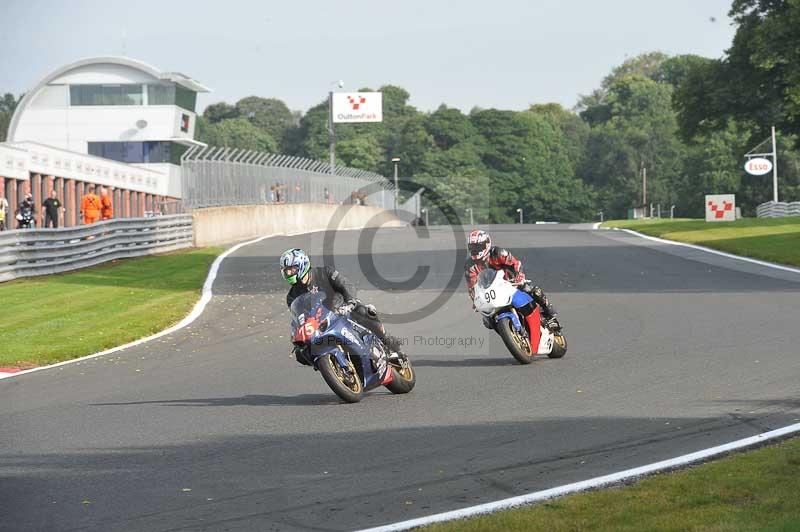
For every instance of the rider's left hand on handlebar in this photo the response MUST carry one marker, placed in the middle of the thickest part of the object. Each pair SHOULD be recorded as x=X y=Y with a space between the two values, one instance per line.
x=346 y=308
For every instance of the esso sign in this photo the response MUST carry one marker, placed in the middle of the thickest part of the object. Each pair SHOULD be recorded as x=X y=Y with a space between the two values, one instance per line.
x=759 y=166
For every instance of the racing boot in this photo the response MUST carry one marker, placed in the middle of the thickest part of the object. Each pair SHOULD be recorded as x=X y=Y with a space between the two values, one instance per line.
x=548 y=310
x=395 y=346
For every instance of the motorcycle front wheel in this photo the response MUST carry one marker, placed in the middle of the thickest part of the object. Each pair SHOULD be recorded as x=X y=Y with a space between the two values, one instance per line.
x=517 y=344
x=344 y=383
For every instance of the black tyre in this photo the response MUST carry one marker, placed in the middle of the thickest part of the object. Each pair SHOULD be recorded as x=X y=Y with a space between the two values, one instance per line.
x=404 y=378
x=559 y=346
x=346 y=384
x=519 y=345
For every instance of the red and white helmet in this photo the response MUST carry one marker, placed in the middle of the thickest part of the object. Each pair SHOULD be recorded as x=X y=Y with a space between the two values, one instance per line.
x=479 y=243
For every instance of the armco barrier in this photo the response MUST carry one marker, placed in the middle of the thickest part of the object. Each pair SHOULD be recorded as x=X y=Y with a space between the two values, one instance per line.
x=778 y=210
x=28 y=252
x=222 y=225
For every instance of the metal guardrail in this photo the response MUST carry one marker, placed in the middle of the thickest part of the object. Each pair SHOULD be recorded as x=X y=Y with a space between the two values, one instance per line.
x=771 y=209
x=213 y=177
x=29 y=252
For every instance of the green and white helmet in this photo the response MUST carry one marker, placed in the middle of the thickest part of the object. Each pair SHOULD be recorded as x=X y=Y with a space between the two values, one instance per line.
x=294 y=265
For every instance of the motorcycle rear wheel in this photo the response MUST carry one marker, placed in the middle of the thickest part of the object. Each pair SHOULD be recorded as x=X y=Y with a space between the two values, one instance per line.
x=404 y=378
x=348 y=387
x=518 y=345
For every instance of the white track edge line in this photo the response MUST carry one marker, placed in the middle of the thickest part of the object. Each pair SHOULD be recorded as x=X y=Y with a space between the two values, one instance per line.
x=597 y=482
x=197 y=310
x=714 y=251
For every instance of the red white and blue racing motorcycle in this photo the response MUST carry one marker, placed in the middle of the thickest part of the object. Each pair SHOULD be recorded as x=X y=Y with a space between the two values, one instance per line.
x=500 y=302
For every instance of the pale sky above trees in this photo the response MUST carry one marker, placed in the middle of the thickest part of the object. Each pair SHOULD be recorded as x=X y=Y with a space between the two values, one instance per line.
x=504 y=54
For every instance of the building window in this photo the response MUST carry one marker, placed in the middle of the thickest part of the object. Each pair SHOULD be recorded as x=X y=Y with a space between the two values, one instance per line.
x=80 y=95
x=161 y=94
x=138 y=152
x=185 y=98
x=171 y=95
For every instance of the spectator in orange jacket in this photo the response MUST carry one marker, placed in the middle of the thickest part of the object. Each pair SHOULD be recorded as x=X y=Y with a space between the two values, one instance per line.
x=106 y=205
x=90 y=207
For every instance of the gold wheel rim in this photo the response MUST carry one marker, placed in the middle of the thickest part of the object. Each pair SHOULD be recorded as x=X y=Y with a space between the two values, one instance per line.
x=560 y=340
x=406 y=372
x=354 y=384
x=523 y=343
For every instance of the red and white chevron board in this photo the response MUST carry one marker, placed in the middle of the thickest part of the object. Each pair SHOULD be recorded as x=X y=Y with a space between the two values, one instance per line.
x=720 y=207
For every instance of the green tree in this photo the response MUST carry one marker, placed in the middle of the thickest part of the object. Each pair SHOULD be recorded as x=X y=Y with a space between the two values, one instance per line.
x=448 y=127
x=757 y=82
x=8 y=104
x=236 y=133
x=267 y=114
x=714 y=166
x=217 y=112
x=594 y=107
x=574 y=130
x=360 y=152
x=641 y=131
x=530 y=168
x=674 y=70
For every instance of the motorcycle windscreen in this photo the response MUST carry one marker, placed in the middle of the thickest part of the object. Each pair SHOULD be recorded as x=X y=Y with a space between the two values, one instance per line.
x=305 y=305
x=486 y=277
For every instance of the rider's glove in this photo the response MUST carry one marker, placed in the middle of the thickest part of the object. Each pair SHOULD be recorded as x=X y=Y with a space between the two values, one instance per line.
x=300 y=353
x=372 y=312
x=553 y=324
x=347 y=308
x=519 y=278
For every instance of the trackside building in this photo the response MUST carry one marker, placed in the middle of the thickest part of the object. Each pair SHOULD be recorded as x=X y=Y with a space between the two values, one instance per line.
x=110 y=121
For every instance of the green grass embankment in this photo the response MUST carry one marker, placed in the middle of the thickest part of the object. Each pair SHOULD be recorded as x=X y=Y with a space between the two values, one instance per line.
x=770 y=239
x=53 y=318
x=743 y=492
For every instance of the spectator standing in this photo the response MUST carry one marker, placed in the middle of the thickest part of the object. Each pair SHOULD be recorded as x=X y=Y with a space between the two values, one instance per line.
x=52 y=206
x=272 y=194
x=90 y=207
x=3 y=209
x=279 y=194
x=106 y=205
x=327 y=195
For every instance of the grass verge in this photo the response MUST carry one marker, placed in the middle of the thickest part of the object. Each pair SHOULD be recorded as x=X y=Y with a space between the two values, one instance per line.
x=53 y=318
x=757 y=490
x=771 y=239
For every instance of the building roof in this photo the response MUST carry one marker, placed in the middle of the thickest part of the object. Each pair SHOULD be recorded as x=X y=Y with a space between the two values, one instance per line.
x=174 y=77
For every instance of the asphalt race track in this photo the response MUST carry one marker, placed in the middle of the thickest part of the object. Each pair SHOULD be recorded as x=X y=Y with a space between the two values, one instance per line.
x=215 y=428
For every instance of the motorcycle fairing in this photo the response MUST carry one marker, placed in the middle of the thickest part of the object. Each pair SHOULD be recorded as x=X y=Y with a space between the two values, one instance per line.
x=520 y=299
x=338 y=332
x=508 y=315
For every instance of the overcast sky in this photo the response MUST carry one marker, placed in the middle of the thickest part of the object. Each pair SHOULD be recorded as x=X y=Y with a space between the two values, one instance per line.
x=498 y=53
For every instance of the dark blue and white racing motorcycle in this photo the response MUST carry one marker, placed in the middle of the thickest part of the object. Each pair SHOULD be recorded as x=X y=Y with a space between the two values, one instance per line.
x=351 y=358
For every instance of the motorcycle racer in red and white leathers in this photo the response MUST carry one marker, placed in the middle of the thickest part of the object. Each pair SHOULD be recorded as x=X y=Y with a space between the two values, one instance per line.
x=483 y=255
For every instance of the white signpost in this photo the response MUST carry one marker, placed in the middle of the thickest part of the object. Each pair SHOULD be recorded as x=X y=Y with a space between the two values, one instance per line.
x=348 y=108
x=351 y=107
x=720 y=207
x=758 y=166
